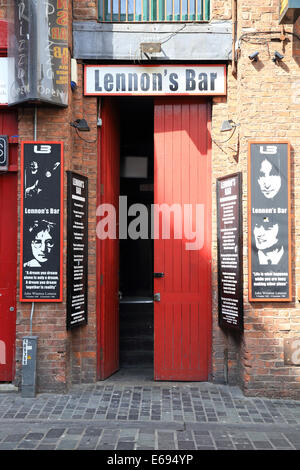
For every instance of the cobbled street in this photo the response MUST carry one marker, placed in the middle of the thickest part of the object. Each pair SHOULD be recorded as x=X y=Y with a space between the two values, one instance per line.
x=130 y=412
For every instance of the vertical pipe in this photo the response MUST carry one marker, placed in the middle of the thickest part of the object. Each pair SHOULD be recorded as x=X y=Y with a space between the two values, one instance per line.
x=234 y=26
x=35 y=124
x=31 y=317
x=34 y=138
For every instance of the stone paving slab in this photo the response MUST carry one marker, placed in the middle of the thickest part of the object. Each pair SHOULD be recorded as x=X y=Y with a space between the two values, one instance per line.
x=132 y=413
x=113 y=436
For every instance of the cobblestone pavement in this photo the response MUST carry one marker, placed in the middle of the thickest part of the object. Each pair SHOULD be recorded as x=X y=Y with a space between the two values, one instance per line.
x=131 y=412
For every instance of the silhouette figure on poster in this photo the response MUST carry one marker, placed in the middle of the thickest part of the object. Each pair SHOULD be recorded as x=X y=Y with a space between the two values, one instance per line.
x=37 y=180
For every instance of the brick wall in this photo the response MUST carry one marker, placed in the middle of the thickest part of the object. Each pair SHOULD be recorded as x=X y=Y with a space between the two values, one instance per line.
x=264 y=98
x=226 y=345
x=85 y=9
x=267 y=110
x=64 y=357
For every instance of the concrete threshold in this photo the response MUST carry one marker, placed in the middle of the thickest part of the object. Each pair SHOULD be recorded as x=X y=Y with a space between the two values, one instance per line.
x=8 y=387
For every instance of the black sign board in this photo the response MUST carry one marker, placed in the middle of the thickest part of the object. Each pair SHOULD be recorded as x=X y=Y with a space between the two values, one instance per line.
x=3 y=153
x=269 y=224
x=38 y=46
x=230 y=251
x=77 y=246
x=41 y=221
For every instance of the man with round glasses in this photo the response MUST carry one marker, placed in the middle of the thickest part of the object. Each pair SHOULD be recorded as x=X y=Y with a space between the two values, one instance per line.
x=41 y=243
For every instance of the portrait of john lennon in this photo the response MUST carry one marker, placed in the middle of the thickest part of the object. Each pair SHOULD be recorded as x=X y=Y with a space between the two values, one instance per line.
x=42 y=242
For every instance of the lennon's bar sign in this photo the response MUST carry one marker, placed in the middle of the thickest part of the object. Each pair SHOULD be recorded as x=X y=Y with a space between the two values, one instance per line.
x=155 y=80
x=269 y=221
x=230 y=251
x=41 y=222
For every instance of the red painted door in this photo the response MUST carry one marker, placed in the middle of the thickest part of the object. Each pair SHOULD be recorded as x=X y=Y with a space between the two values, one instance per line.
x=108 y=249
x=8 y=253
x=182 y=176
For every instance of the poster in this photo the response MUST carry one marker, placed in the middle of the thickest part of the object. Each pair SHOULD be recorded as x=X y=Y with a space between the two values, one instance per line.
x=269 y=224
x=230 y=251
x=41 y=221
x=77 y=249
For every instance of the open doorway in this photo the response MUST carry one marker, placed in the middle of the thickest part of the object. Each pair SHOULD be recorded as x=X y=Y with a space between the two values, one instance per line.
x=173 y=334
x=136 y=255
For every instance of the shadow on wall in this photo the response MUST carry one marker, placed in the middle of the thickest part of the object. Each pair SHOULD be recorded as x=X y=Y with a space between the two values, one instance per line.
x=296 y=41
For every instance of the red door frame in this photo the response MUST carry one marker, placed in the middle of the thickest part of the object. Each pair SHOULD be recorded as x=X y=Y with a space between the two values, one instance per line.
x=8 y=247
x=8 y=235
x=107 y=251
x=8 y=270
x=102 y=369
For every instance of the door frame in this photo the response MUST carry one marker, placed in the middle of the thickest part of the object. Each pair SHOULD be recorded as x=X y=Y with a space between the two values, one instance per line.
x=11 y=127
x=13 y=174
x=101 y=371
x=208 y=233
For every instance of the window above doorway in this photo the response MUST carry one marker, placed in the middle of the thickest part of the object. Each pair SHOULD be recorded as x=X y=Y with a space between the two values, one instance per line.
x=139 y=11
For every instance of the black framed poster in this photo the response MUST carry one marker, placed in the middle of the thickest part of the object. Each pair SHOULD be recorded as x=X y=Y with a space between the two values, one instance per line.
x=77 y=249
x=41 y=221
x=230 y=251
x=269 y=223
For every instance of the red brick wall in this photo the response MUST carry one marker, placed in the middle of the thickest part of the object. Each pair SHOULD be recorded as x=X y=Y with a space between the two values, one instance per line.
x=85 y=9
x=64 y=357
x=264 y=99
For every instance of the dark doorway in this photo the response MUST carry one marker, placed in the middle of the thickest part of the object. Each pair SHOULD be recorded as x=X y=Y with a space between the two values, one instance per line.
x=136 y=255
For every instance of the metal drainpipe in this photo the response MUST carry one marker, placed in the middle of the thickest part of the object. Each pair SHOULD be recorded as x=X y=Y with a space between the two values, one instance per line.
x=34 y=138
x=35 y=124
x=234 y=25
